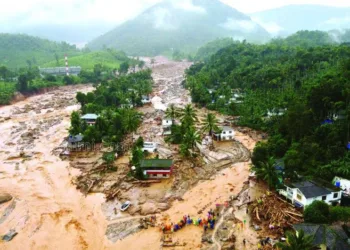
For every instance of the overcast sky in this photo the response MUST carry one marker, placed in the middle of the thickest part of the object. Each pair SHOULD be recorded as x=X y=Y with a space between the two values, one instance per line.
x=28 y=12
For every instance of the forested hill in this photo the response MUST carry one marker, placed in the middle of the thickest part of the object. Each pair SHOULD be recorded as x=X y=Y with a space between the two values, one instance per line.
x=17 y=50
x=299 y=95
x=171 y=26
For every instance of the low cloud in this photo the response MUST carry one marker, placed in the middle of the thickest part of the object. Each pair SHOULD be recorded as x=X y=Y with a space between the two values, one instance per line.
x=271 y=27
x=162 y=19
x=188 y=6
x=246 y=26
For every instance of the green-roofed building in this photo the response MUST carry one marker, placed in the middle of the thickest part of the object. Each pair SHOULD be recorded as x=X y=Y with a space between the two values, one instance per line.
x=157 y=168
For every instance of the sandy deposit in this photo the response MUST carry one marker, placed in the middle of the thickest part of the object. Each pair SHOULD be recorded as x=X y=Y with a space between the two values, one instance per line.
x=48 y=212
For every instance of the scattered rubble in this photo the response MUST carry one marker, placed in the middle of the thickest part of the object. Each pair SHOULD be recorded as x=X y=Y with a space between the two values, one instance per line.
x=273 y=214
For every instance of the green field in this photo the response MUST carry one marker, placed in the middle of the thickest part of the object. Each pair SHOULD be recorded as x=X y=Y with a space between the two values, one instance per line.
x=88 y=60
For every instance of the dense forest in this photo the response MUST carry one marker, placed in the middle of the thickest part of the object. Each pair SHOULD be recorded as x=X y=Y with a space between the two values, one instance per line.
x=299 y=93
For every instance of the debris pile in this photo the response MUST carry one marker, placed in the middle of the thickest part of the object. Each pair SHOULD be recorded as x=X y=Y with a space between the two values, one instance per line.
x=274 y=215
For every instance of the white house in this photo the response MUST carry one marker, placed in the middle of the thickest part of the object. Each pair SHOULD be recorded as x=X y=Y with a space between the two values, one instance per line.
x=149 y=147
x=226 y=134
x=342 y=183
x=166 y=124
x=304 y=193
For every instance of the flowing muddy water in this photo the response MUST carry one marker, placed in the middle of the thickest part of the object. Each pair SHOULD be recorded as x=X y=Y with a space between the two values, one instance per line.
x=48 y=212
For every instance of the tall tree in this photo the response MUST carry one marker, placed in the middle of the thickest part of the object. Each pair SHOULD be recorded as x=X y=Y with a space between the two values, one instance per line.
x=75 y=128
x=191 y=137
x=172 y=113
x=188 y=116
x=124 y=68
x=210 y=124
x=266 y=171
x=297 y=241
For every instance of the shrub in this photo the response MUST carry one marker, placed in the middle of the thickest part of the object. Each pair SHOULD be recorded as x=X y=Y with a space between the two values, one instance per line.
x=317 y=212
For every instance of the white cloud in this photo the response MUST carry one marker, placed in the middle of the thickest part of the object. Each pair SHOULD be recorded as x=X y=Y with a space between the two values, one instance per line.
x=271 y=27
x=188 y=6
x=246 y=26
x=162 y=19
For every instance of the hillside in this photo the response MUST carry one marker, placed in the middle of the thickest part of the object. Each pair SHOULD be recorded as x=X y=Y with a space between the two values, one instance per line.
x=111 y=59
x=292 y=18
x=173 y=26
x=17 y=50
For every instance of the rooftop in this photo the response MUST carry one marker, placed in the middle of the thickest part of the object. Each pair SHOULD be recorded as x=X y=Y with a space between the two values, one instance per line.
x=312 y=189
x=75 y=138
x=332 y=236
x=226 y=128
x=159 y=163
x=89 y=117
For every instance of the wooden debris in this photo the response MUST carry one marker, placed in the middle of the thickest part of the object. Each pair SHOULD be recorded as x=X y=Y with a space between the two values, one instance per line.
x=272 y=211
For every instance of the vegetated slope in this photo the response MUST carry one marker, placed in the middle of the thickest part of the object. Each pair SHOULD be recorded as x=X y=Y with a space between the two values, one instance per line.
x=306 y=38
x=171 y=25
x=209 y=49
x=299 y=95
x=109 y=58
x=292 y=18
x=17 y=50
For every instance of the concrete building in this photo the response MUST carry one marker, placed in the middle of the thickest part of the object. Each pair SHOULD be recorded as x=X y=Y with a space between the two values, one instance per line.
x=60 y=71
x=157 y=168
x=304 y=193
x=226 y=134
x=166 y=124
x=342 y=183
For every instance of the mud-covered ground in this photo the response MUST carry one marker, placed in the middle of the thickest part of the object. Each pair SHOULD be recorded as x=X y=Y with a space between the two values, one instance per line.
x=48 y=211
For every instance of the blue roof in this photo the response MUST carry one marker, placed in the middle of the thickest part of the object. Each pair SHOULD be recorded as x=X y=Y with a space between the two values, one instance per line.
x=89 y=117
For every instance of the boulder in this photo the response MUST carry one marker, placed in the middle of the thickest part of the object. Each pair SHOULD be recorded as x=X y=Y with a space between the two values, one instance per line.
x=148 y=208
x=134 y=209
x=4 y=197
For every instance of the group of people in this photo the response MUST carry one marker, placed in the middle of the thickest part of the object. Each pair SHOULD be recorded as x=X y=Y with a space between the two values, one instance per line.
x=206 y=223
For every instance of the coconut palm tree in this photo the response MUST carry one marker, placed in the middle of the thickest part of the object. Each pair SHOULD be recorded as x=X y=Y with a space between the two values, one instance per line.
x=266 y=171
x=210 y=124
x=172 y=113
x=188 y=116
x=191 y=137
x=297 y=241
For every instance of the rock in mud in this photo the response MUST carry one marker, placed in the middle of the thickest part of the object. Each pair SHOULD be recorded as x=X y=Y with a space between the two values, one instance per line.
x=148 y=208
x=134 y=210
x=10 y=235
x=5 y=197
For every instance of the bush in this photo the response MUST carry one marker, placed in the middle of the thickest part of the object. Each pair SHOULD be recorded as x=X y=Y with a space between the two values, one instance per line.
x=317 y=212
x=339 y=214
